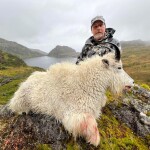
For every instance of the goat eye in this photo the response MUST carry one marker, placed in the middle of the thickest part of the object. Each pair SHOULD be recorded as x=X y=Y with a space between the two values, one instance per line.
x=119 y=67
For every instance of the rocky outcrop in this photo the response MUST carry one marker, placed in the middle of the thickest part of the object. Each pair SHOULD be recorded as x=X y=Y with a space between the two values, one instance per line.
x=25 y=131
x=134 y=111
x=63 y=51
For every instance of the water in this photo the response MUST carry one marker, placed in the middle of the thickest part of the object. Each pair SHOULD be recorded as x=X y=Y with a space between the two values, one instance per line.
x=46 y=61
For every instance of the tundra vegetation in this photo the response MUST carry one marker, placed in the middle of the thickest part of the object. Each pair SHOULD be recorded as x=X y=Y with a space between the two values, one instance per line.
x=114 y=134
x=136 y=62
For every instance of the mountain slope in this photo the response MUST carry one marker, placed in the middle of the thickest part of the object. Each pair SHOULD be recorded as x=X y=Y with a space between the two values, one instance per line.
x=136 y=61
x=134 y=43
x=7 y=60
x=18 y=49
x=37 y=50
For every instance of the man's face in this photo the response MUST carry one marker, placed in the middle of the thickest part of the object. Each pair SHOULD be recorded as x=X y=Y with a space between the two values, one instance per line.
x=98 y=30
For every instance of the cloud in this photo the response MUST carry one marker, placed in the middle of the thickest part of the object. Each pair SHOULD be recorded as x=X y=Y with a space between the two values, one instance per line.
x=45 y=24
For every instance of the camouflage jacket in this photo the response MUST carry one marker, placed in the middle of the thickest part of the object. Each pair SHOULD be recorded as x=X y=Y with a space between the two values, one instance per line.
x=91 y=46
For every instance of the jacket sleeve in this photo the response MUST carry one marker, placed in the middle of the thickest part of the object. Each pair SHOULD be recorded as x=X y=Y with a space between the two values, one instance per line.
x=83 y=53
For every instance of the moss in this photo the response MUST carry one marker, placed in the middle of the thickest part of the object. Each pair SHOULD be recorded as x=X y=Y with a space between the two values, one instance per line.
x=122 y=143
x=11 y=71
x=148 y=139
x=145 y=86
x=7 y=90
x=148 y=113
x=43 y=147
x=73 y=146
x=115 y=135
x=10 y=60
x=109 y=95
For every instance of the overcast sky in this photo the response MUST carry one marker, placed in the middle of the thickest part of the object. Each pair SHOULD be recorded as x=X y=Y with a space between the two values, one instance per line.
x=43 y=24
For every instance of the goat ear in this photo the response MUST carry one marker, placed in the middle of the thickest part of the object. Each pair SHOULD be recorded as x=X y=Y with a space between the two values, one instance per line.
x=105 y=62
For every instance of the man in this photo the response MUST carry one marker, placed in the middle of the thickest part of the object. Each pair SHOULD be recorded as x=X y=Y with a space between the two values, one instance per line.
x=102 y=40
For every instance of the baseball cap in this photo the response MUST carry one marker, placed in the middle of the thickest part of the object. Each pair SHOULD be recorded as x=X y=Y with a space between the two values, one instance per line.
x=100 y=18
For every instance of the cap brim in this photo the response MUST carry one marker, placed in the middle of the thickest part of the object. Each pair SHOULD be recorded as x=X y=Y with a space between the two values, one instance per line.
x=97 y=20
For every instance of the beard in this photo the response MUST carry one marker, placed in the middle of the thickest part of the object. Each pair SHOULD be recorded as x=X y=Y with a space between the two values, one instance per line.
x=99 y=36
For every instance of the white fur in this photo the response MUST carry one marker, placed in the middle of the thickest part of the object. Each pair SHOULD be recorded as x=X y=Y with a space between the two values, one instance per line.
x=74 y=94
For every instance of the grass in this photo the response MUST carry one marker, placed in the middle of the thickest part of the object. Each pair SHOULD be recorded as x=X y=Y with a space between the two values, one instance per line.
x=9 y=60
x=136 y=62
x=116 y=136
x=17 y=75
x=13 y=71
x=43 y=147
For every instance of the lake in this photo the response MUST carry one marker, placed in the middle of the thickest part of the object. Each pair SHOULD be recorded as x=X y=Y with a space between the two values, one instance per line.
x=46 y=61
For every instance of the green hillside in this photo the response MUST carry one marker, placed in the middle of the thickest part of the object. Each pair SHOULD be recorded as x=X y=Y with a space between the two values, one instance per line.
x=7 y=60
x=136 y=61
x=13 y=71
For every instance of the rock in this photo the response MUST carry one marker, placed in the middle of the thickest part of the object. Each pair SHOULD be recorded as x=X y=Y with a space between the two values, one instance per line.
x=25 y=131
x=133 y=112
x=5 y=80
x=131 y=117
x=141 y=93
x=63 y=51
x=144 y=118
x=5 y=112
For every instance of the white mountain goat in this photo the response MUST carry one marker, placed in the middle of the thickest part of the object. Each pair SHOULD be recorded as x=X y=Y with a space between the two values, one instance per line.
x=73 y=94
